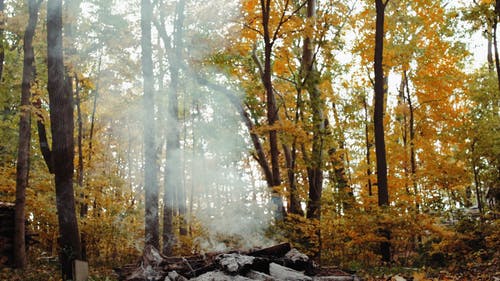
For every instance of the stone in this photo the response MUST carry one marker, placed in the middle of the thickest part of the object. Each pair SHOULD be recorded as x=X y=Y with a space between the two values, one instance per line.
x=235 y=263
x=287 y=274
x=295 y=256
x=219 y=276
x=260 y=276
x=174 y=276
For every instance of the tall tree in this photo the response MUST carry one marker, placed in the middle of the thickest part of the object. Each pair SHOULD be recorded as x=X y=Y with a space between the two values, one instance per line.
x=23 y=153
x=62 y=154
x=150 y=169
x=173 y=171
x=272 y=109
x=178 y=47
x=311 y=79
x=378 y=119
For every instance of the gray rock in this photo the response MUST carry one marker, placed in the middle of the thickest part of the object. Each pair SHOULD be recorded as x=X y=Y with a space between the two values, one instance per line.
x=220 y=276
x=234 y=263
x=295 y=256
x=287 y=274
x=256 y=275
x=174 y=276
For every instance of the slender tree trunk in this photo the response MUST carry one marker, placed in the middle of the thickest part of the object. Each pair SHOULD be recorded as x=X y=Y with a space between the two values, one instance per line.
x=311 y=76
x=378 y=118
x=495 y=40
x=94 y=108
x=477 y=181
x=2 y=47
x=489 y=36
x=176 y=122
x=404 y=132
x=150 y=177
x=80 y=169
x=23 y=154
x=272 y=110
x=291 y=161
x=368 y=145
x=315 y=168
x=413 y=158
x=61 y=119
x=339 y=163
x=174 y=195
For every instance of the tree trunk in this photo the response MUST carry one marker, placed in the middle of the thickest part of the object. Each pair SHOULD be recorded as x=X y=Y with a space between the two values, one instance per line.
x=495 y=40
x=311 y=77
x=94 y=107
x=61 y=119
x=477 y=181
x=368 y=145
x=175 y=121
x=23 y=155
x=168 y=237
x=272 y=110
x=413 y=158
x=150 y=177
x=291 y=160
x=489 y=56
x=80 y=169
x=2 y=47
x=342 y=181
x=378 y=118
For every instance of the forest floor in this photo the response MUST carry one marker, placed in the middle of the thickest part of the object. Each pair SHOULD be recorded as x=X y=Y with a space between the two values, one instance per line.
x=489 y=271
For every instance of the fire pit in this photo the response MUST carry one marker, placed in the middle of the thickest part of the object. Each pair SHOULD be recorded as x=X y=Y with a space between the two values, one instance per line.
x=279 y=262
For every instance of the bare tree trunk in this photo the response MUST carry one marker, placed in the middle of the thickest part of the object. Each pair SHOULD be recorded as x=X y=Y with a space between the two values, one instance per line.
x=378 y=118
x=94 y=107
x=495 y=40
x=23 y=155
x=2 y=47
x=61 y=119
x=311 y=76
x=175 y=66
x=339 y=163
x=272 y=110
x=477 y=181
x=80 y=169
x=291 y=160
x=413 y=158
x=79 y=121
x=150 y=176
x=489 y=36
x=368 y=145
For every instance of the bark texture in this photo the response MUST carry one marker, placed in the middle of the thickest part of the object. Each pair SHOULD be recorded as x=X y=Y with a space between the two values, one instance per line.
x=62 y=126
x=378 y=118
x=311 y=77
x=272 y=109
x=23 y=154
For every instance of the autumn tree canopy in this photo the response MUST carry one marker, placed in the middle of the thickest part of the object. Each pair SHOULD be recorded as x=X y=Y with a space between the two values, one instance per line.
x=365 y=133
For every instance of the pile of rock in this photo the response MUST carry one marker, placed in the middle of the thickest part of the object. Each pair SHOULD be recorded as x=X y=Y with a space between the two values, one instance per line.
x=279 y=262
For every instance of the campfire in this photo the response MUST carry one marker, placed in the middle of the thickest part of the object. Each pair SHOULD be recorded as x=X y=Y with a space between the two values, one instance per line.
x=280 y=262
